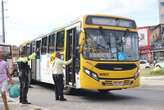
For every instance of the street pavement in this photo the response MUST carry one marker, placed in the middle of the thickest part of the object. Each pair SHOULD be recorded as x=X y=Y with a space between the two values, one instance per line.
x=148 y=97
x=15 y=105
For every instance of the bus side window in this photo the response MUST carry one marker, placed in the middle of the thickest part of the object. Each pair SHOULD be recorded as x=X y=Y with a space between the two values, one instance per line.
x=33 y=46
x=38 y=48
x=24 y=50
x=51 y=43
x=60 y=41
x=44 y=45
x=27 y=49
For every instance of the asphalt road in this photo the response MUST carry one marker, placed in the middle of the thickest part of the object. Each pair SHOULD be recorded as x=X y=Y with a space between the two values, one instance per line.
x=149 y=96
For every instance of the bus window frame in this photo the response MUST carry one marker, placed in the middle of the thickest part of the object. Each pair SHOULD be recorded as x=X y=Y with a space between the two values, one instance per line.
x=28 y=49
x=51 y=42
x=38 y=48
x=44 y=47
x=33 y=46
x=58 y=47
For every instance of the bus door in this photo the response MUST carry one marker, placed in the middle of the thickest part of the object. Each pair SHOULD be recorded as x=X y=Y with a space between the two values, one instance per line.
x=33 y=61
x=71 y=52
x=38 y=49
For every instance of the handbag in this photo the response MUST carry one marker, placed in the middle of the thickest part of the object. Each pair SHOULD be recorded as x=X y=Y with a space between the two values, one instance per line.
x=14 y=91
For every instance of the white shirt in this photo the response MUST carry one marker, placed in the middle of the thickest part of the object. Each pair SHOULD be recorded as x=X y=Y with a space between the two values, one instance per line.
x=57 y=65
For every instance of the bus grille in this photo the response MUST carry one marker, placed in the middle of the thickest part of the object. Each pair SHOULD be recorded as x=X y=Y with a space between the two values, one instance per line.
x=115 y=67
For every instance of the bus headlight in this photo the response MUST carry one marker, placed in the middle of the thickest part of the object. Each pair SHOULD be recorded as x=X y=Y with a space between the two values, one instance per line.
x=91 y=74
x=136 y=75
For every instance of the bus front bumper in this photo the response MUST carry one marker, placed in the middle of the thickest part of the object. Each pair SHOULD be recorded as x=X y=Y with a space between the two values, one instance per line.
x=109 y=84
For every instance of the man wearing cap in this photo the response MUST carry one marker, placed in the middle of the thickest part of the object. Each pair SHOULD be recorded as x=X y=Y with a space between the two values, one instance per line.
x=57 y=74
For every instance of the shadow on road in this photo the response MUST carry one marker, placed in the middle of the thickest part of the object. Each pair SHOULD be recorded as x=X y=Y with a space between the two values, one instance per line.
x=94 y=95
x=97 y=96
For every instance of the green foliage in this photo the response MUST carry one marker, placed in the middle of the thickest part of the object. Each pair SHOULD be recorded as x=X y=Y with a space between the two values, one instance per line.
x=158 y=71
x=152 y=72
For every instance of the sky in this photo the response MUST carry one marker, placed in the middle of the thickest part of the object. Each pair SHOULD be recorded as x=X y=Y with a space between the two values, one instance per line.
x=28 y=19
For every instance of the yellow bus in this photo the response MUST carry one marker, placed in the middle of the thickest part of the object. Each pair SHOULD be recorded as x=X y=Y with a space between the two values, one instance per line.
x=104 y=50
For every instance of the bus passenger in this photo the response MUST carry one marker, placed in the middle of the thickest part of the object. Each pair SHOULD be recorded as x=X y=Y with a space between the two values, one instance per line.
x=57 y=74
x=4 y=76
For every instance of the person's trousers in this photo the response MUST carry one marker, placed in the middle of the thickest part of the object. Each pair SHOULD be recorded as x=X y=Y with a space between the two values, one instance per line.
x=24 y=86
x=59 y=85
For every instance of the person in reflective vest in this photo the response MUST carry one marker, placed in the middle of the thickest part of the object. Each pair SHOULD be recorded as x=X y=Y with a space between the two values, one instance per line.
x=24 y=69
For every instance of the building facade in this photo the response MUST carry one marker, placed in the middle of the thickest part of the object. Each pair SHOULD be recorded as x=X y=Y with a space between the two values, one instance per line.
x=151 y=43
x=144 y=44
x=161 y=11
x=157 y=42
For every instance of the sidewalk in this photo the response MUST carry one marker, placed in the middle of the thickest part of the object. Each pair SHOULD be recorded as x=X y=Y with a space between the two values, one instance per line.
x=153 y=77
x=153 y=81
x=15 y=105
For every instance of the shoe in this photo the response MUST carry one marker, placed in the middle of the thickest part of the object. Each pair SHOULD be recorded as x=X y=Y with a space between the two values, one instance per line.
x=26 y=103
x=57 y=98
x=63 y=99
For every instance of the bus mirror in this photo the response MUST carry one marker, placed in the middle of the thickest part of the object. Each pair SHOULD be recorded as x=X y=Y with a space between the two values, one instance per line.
x=81 y=49
x=81 y=41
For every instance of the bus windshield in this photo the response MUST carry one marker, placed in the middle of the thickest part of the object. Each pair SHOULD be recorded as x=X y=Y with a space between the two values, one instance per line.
x=102 y=44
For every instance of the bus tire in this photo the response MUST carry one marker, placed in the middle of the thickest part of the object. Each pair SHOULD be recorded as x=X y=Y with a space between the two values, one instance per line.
x=69 y=90
x=104 y=91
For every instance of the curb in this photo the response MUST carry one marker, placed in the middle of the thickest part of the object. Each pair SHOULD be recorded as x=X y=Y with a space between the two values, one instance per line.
x=15 y=101
x=153 y=77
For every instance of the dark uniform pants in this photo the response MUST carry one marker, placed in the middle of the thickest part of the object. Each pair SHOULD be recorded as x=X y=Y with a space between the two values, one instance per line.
x=59 y=85
x=24 y=85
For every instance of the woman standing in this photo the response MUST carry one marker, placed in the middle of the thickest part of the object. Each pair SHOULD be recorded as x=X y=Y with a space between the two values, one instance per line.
x=4 y=76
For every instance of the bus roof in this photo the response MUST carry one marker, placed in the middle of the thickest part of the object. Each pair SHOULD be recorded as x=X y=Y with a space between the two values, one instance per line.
x=80 y=19
x=107 y=15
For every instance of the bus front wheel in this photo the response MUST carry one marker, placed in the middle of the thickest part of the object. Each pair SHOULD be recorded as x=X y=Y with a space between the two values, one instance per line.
x=69 y=90
x=104 y=91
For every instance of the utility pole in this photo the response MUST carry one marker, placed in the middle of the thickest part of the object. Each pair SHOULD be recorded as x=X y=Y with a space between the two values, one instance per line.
x=3 y=21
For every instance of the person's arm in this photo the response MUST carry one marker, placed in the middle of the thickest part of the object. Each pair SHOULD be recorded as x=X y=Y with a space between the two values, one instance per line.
x=32 y=56
x=8 y=74
x=23 y=59
x=59 y=61
x=67 y=62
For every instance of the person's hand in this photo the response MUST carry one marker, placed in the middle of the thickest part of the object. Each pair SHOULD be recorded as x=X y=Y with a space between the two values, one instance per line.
x=11 y=81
